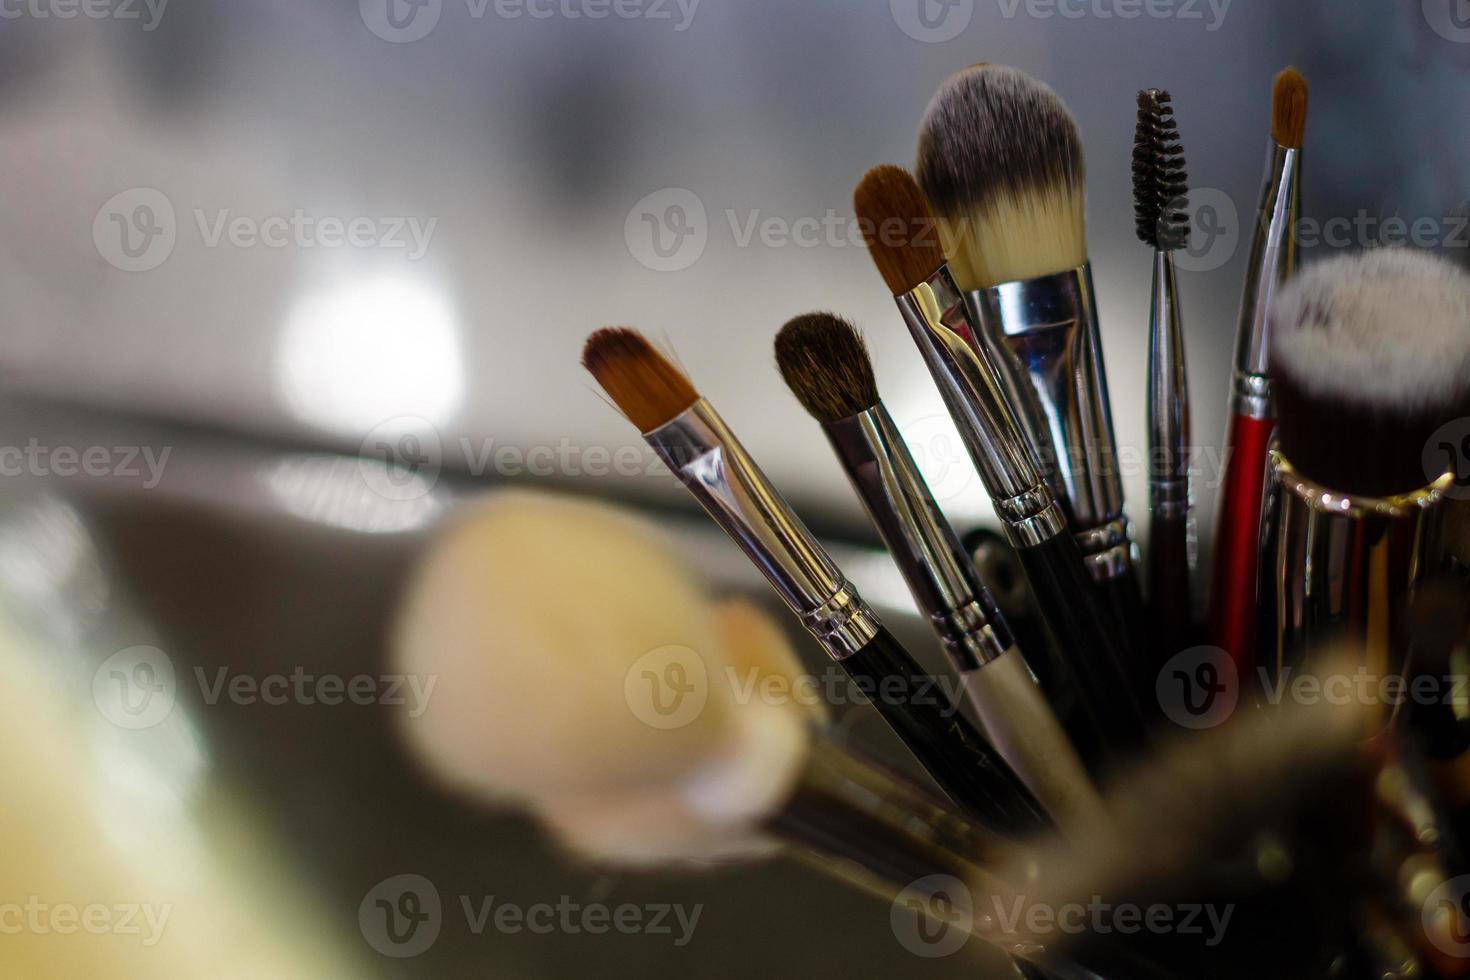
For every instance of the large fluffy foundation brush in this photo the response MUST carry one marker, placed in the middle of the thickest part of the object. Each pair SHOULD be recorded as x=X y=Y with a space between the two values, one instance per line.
x=1000 y=159
x=1273 y=259
x=588 y=678
x=697 y=446
x=1160 y=189
x=825 y=363
x=1370 y=355
x=1090 y=680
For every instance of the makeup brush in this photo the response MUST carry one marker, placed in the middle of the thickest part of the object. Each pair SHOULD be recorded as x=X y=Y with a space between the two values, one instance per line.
x=1160 y=203
x=1273 y=259
x=1000 y=159
x=692 y=440
x=825 y=364
x=1370 y=354
x=636 y=764
x=1091 y=646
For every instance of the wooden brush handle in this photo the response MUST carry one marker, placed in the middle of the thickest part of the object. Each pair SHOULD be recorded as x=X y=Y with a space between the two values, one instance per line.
x=1238 y=542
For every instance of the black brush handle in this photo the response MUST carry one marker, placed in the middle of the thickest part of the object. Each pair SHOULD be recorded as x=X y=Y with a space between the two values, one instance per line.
x=951 y=750
x=1122 y=598
x=1171 y=619
x=1088 y=637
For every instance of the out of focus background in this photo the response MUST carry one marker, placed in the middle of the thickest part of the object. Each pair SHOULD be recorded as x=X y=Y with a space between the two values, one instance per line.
x=283 y=281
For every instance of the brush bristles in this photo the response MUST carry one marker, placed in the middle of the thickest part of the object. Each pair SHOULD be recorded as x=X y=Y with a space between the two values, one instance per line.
x=640 y=381
x=1289 y=108
x=1160 y=182
x=825 y=363
x=1371 y=354
x=898 y=226
x=1000 y=159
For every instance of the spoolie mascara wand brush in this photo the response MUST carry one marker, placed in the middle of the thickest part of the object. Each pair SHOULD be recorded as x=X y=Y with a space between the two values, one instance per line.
x=1160 y=189
x=693 y=441
x=825 y=364
x=1092 y=695
x=1000 y=159
x=1273 y=259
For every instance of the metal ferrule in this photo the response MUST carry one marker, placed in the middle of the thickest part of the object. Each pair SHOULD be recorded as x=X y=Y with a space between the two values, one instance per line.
x=1273 y=258
x=1336 y=568
x=936 y=316
x=709 y=460
x=1043 y=335
x=925 y=547
x=1168 y=397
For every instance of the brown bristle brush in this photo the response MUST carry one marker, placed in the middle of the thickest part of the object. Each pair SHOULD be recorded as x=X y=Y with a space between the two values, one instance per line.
x=1090 y=689
x=704 y=454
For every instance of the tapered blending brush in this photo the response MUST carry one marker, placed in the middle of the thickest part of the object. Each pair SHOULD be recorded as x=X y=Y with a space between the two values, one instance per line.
x=1091 y=686
x=1273 y=259
x=1160 y=188
x=1000 y=159
x=692 y=440
x=825 y=363
x=588 y=678
x=1370 y=355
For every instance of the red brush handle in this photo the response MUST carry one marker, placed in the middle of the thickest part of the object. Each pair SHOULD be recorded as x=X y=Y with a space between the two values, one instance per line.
x=1237 y=542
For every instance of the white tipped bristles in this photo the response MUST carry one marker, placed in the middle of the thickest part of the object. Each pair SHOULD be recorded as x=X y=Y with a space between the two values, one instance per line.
x=1042 y=233
x=1388 y=326
x=580 y=673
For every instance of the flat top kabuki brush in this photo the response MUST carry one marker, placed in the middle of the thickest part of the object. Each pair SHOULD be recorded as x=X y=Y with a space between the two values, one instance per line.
x=1000 y=158
x=1090 y=687
x=1370 y=355
x=1273 y=259
x=1160 y=201
x=704 y=454
x=825 y=363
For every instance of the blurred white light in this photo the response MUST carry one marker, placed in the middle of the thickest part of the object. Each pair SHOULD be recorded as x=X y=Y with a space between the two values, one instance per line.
x=352 y=493
x=358 y=354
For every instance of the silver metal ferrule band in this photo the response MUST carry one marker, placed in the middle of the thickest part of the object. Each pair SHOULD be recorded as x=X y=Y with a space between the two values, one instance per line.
x=708 y=459
x=925 y=547
x=1168 y=384
x=1273 y=257
x=1043 y=335
x=1106 y=549
x=936 y=316
x=1250 y=396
